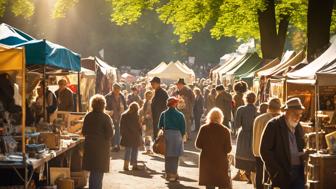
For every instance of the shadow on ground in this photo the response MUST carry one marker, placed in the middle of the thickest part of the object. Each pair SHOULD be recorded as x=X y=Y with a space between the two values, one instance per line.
x=177 y=185
x=144 y=171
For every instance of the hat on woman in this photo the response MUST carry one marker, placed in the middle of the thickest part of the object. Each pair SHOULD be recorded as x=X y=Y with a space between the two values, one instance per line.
x=171 y=101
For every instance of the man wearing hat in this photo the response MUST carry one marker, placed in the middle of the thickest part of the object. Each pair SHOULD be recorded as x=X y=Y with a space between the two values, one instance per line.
x=282 y=147
x=189 y=100
x=158 y=103
x=116 y=105
x=224 y=102
x=259 y=124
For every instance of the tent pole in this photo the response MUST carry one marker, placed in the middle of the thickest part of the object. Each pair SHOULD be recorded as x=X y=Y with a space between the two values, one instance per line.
x=79 y=100
x=44 y=93
x=317 y=122
x=284 y=90
x=24 y=120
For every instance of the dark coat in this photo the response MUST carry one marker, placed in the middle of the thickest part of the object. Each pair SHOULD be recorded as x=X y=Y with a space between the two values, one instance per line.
x=130 y=130
x=97 y=129
x=275 y=150
x=244 y=119
x=215 y=143
x=112 y=105
x=199 y=106
x=159 y=104
x=65 y=100
x=224 y=102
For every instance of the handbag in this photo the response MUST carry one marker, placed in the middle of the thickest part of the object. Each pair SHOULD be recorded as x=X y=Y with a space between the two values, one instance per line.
x=159 y=145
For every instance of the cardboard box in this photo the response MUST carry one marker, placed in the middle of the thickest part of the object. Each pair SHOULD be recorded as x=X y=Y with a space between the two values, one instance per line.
x=80 y=178
x=65 y=183
x=51 y=140
x=57 y=173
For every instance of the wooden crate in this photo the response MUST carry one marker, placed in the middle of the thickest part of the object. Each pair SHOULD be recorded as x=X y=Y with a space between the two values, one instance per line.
x=321 y=171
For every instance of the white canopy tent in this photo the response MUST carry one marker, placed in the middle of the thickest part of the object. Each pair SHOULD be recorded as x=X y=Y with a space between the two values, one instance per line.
x=173 y=72
x=228 y=66
x=157 y=69
x=309 y=71
x=185 y=67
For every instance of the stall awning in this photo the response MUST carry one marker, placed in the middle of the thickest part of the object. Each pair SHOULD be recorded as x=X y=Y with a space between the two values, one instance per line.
x=12 y=36
x=309 y=71
x=11 y=58
x=43 y=52
x=301 y=81
x=252 y=63
x=40 y=52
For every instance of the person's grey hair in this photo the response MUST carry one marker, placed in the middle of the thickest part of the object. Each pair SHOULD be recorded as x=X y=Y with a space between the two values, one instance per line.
x=215 y=115
x=98 y=103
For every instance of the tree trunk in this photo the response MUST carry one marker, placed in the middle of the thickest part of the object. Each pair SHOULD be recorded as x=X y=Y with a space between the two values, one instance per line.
x=282 y=33
x=318 y=27
x=270 y=47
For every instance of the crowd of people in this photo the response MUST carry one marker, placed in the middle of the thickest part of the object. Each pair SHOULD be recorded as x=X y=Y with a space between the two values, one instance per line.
x=268 y=135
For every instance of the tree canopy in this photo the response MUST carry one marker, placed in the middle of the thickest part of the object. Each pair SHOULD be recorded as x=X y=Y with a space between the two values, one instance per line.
x=231 y=18
x=87 y=28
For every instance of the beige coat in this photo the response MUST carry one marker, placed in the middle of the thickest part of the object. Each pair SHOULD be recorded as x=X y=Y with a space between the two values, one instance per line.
x=259 y=125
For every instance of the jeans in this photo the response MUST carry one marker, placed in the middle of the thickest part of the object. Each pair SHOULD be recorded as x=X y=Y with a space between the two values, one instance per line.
x=96 y=180
x=171 y=164
x=131 y=154
x=116 y=137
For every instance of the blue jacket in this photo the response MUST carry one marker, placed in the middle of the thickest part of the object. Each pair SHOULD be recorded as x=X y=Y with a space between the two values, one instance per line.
x=172 y=119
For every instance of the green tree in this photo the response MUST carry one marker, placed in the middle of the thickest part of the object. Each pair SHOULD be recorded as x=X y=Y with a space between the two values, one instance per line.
x=266 y=20
x=23 y=8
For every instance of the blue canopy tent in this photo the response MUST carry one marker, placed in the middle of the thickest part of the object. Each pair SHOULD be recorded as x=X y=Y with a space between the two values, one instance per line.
x=41 y=55
x=43 y=52
x=40 y=52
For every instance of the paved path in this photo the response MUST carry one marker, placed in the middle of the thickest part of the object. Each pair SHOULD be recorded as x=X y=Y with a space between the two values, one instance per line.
x=151 y=175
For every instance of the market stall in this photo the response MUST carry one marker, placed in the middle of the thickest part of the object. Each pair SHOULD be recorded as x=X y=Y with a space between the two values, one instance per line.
x=45 y=143
x=320 y=74
x=12 y=59
x=228 y=66
x=106 y=75
x=249 y=65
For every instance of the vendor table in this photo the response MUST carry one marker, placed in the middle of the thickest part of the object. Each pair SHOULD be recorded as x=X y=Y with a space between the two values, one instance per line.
x=34 y=163
x=322 y=171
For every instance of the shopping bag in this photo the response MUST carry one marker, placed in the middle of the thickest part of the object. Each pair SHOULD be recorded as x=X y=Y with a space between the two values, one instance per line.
x=159 y=145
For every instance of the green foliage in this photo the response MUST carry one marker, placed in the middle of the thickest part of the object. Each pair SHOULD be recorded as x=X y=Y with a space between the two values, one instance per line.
x=186 y=16
x=333 y=22
x=126 y=12
x=23 y=8
x=237 y=18
x=2 y=7
x=62 y=7
x=298 y=40
x=232 y=18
